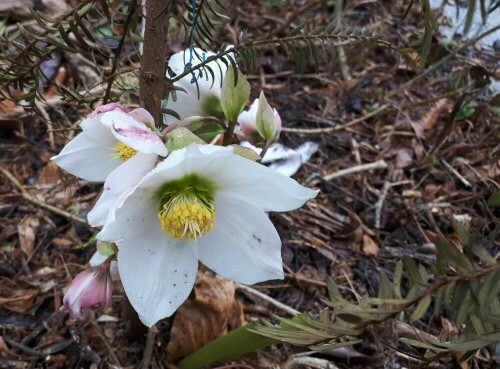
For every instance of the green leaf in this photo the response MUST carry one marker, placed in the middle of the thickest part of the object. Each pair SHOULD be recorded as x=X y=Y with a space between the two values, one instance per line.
x=489 y=289
x=421 y=308
x=413 y=270
x=449 y=253
x=469 y=345
x=234 y=95
x=494 y=200
x=236 y=343
x=421 y=344
x=334 y=345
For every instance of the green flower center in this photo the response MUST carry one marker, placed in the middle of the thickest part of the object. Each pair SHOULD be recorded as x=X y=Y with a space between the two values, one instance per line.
x=186 y=207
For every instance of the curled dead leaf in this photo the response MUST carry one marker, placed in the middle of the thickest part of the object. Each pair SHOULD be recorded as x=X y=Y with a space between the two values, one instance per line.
x=27 y=229
x=204 y=318
x=15 y=299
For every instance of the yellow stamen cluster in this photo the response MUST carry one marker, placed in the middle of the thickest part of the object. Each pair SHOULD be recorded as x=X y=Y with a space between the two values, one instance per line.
x=187 y=217
x=124 y=152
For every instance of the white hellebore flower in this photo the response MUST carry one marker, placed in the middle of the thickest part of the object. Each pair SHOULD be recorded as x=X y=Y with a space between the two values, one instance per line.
x=203 y=203
x=116 y=145
x=111 y=136
x=202 y=90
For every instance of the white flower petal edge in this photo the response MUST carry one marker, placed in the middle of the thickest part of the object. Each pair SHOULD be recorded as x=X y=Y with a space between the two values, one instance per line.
x=86 y=158
x=265 y=188
x=118 y=185
x=247 y=234
x=157 y=272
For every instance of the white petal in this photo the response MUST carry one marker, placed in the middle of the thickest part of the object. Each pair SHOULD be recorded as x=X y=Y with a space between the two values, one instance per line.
x=133 y=133
x=97 y=259
x=244 y=245
x=85 y=158
x=190 y=103
x=191 y=159
x=98 y=132
x=98 y=215
x=256 y=183
x=157 y=272
x=142 y=115
x=130 y=172
x=136 y=217
x=120 y=181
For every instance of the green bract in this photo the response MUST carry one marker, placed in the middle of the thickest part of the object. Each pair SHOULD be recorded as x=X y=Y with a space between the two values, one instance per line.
x=266 y=125
x=235 y=94
x=181 y=137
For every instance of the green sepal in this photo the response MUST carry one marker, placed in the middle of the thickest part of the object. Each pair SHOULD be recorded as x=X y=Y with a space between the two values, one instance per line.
x=106 y=249
x=206 y=128
x=245 y=152
x=234 y=95
x=181 y=137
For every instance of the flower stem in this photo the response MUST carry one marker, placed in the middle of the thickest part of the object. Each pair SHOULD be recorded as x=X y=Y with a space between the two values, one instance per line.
x=228 y=135
x=264 y=150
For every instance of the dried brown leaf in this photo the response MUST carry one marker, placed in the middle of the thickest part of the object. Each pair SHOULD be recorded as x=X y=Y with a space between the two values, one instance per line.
x=428 y=121
x=15 y=299
x=203 y=319
x=370 y=248
x=49 y=174
x=27 y=229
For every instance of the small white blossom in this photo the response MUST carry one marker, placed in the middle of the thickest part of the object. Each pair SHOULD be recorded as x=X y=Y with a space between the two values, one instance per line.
x=110 y=136
x=202 y=90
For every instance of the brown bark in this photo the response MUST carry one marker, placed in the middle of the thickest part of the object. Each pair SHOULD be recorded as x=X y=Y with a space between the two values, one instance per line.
x=154 y=57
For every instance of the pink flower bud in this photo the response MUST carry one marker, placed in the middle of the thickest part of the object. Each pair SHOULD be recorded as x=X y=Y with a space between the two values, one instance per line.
x=90 y=290
x=261 y=124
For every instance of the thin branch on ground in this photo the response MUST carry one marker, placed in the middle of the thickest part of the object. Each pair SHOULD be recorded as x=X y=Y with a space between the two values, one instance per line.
x=266 y=298
x=380 y=164
x=26 y=195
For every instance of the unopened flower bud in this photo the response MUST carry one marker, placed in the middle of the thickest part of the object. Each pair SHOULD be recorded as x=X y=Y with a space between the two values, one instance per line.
x=261 y=124
x=90 y=290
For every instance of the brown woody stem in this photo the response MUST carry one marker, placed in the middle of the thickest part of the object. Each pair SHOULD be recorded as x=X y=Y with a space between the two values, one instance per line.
x=153 y=60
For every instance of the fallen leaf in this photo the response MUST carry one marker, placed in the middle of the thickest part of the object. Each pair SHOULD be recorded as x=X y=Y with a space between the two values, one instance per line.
x=27 y=229
x=15 y=299
x=428 y=121
x=370 y=248
x=204 y=318
x=61 y=242
x=49 y=174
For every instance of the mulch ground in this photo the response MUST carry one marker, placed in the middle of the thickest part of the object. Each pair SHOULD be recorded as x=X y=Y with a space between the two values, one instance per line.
x=360 y=225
